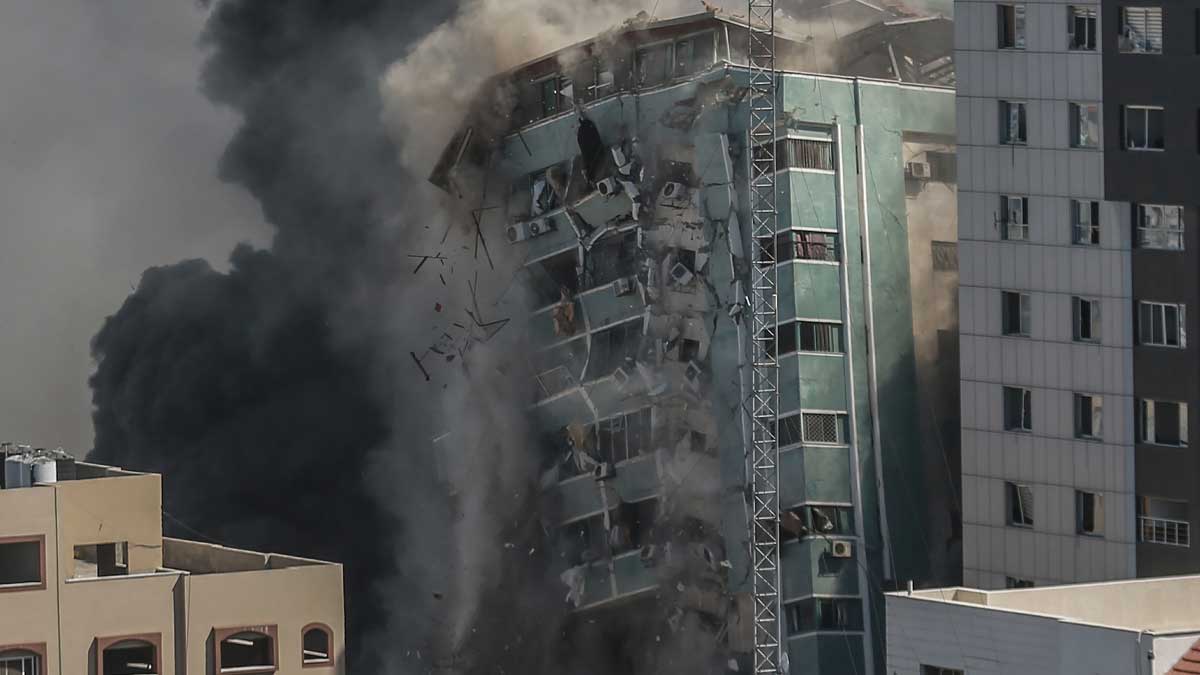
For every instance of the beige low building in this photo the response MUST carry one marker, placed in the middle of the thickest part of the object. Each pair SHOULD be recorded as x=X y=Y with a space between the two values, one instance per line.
x=90 y=586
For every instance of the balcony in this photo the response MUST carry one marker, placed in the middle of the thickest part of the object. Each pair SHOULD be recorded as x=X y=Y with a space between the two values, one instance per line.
x=1164 y=531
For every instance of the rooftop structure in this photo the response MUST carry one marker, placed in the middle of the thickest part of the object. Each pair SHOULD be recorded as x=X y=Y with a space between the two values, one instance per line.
x=89 y=584
x=618 y=172
x=1142 y=626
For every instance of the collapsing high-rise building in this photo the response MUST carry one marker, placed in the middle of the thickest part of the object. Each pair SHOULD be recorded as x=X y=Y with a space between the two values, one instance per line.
x=619 y=168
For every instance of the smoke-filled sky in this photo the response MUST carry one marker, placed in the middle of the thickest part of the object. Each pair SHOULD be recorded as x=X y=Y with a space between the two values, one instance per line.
x=108 y=165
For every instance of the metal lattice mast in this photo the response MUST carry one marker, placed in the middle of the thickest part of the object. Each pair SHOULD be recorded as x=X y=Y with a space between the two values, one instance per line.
x=764 y=301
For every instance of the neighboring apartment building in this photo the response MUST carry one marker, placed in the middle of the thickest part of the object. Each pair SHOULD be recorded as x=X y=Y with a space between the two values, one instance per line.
x=1078 y=147
x=620 y=174
x=1132 y=627
x=89 y=585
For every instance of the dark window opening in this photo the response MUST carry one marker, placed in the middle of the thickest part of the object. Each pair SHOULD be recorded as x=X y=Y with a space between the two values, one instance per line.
x=824 y=614
x=247 y=651
x=21 y=563
x=803 y=521
x=316 y=646
x=1144 y=127
x=1081 y=27
x=1012 y=123
x=1015 y=582
x=1010 y=22
x=132 y=657
x=20 y=662
x=614 y=347
x=1018 y=409
x=1089 y=513
x=653 y=65
x=613 y=257
x=820 y=337
x=943 y=166
x=1020 y=504
x=548 y=278
x=102 y=560
x=584 y=541
x=634 y=525
x=1015 y=313
x=624 y=436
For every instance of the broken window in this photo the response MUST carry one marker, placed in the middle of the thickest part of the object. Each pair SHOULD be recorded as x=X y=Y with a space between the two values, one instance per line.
x=1089 y=415
x=316 y=646
x=1020 y=504
x=1012 y=123
x=1010 y=22
x=21 y=563
x=533 y=195
x=1089 y=513
x=1141 y=30
x=1014 y=313
x=1162 y=422
x=820 y=336
x=1014 y=218
x=1018 y=409
x=128 y=657
x=689 y=350
x=1162 y=324
x=1085 y=125
x=248 y=650
x=1085 y=319
x=548 y=92
x=943 y=166
x=824 y=614
x=584 y=541
x=554 y=368
x=613 y=257
x=635 y=525
x=623 y=436
x=945 y=255
x=802 y=521
x=548 y=276
x=592 y=79
x=693 y=54
x=1159 y=226
x=1144 y=127
x=653 y=65
x=614 y=347
x=801 y=153
x=1085 y=222
x=1081 y=28
x=1016 y=582
x=20 y=662
x=102 y=560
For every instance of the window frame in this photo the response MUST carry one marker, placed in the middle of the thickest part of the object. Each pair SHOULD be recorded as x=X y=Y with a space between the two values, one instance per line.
x=1088 y=405
x=1123 y=22
x=1144 y=419
x=1091 y=21
x=1011 y=490
x=40 y=585
x=1006 y=137
x=23 y=650
x=324 y=628
x=1085 y=232
x=152 y=639
x=271 y=631
x=1009 y=228
x=1098 y=521
x=1076 y=111
x=1180 y=335
x=1026 y=421
x=1145 y=110
x=1142 y=231
x=1016 y=40
x=1094 y=323
x=1013 y=583
x=1024 y=316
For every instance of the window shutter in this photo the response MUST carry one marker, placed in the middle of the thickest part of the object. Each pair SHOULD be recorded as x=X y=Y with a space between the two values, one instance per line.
x=1183 y=423
x=1019 y=26
x=1097 y=416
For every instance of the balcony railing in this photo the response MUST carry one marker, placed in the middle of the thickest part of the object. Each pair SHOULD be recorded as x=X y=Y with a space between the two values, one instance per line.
x=1164 y=531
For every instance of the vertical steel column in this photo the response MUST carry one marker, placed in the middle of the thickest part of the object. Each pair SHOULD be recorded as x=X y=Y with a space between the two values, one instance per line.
x=764 y=305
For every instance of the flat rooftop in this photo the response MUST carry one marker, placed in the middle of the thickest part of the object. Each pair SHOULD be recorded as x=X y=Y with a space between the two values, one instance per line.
x=1159 y=605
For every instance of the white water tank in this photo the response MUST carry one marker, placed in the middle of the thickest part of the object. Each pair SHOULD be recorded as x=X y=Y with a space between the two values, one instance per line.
x=17 y=473
x=45 y=470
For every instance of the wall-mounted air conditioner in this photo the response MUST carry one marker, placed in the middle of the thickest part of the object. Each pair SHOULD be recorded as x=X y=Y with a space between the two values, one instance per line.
x=604 y=471
x=842 y=549
x=917 y=170
x=681 y=275
x=624 y=286
x=608 y=187
x=530 y=229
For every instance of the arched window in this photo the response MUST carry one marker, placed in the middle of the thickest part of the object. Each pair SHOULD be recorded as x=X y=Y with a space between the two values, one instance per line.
x=20 y=662
x=317 y=645
x=246 y=651
x=127 y=656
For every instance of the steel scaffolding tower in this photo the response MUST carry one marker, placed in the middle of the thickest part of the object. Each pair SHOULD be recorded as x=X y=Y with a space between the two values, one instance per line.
x=764 y=302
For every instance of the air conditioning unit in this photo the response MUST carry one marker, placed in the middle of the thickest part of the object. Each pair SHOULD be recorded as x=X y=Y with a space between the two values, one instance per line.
x=608 y=187
x=528 y=230
x=917 y=170
x=842 y=549
x=693 y=373
x=673 y=190
x=624 y=286
x=621 y=378
x=603 y=471
x=681 y=275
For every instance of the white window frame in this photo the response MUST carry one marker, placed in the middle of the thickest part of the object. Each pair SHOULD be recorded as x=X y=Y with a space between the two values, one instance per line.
x=1014 y=218
x=1127 y=43
x=1085 y=222
x=1168 y=230
x=1162 y=309
x=1144 y=112
x=1085 y=12
x=1146 y=423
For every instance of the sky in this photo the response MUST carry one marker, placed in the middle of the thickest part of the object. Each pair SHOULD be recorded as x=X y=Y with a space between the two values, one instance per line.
x=108 y=160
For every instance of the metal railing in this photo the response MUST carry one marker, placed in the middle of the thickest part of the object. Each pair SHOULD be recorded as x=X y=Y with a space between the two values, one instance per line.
x=1164 y=531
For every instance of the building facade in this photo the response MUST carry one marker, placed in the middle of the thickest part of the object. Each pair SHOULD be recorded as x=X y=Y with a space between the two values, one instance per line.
x=1076 y=264
x=88 y=584
x=622 y=173
x=1139 y=627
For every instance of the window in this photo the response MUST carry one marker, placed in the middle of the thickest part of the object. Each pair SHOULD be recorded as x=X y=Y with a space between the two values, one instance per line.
x=1089 y=412
x=1161 y=324
x=1014 y=313
x=127 y=656
x=1089 y=513
x=1085 y=222
x=1014 y=218
x=1020 y=504
x=1143 y=127
x=548 y=92
x=316 y=645
x=939 y=670
x=20 y=662
x=1163 y=422
x=802 y=521
x=825 y=428
x=817 y=336
x=1017 y=582
x=616 y=256
x=613 y=347
x=1159 y=226
x=823 y=614
x=22 y=563
x=547 y=277
x=653 y=65
x=803 y=245
x=102 y=560
x=1081 y=28
x=801 y=153
x=1085 y=125
x=1010 y=23
x=592 y=78
x=1164 y=521
x=1018 y=409
x=943 y=166
x=584 y=541
x=246 y=651
x=945 y=255
x=1012 y=123
x=1085 y=320
x=694 y=54
x=624 y=436
x=1141 y=30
